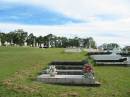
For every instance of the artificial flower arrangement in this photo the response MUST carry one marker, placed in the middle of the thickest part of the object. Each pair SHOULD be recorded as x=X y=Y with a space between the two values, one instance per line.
x=52 y=70
x=88 y=71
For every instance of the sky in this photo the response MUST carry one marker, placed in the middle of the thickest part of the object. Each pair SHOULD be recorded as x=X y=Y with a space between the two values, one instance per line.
x=105 y=20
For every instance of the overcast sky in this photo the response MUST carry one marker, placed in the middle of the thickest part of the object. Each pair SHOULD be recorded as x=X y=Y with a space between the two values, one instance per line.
x=104 y=20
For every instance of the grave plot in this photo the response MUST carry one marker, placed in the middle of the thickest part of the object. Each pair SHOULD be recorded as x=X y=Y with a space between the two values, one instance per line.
x=110 y=59
x=70 y=73
x=72 y=50
x=114 y=57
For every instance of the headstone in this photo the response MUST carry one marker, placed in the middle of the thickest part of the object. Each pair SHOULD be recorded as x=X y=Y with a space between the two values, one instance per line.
x=11 y=43
x=112 y=56
x=37 y=45
x=128 y=61
x=72 y=50
x=6 y=43
x=107 y=59
x=49 y=44
x=34 y=43
x=42 y=45
x=25 y=43
x=116 y=50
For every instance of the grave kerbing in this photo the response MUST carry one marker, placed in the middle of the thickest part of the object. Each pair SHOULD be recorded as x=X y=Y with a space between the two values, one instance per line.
x=69 y=73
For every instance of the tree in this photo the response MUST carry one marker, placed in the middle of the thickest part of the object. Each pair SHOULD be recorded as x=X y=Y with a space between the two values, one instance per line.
x=64 y=41
x=110 y=46
x=76 y=42
x=31 y=39
x=3 y=37
x=50 y=40
x=40 y=40
x=89 y=43
x=17 y=37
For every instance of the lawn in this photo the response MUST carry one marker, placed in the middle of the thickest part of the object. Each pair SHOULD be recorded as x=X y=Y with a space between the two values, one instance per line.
x=19 y=67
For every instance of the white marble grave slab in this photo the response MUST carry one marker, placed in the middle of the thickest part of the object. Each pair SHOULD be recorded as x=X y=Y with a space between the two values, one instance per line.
x=66 y=79
x=72 y=50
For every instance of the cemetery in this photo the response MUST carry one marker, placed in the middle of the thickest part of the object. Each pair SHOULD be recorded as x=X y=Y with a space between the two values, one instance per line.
x=64 y=48
x=27 y=71
x=72 y=72
x=20 y=75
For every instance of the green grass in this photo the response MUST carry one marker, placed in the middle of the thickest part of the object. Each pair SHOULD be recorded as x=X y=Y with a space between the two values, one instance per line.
x=20 y=66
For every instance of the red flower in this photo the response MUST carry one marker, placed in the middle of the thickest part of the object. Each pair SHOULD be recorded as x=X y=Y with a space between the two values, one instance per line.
x=87 y=68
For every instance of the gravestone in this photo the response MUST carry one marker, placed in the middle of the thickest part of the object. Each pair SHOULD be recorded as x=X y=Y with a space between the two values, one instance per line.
x=72 y=50
x=68 y=72
x=7 y=43
x=128 y=61
x=109 y=59
x=25 y=43
x=37 y=45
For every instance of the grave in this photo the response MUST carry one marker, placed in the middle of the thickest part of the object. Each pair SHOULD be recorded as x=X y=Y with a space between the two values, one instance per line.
x=128 y=59
x=25 y=43
x=112 y=59
x=73 y=50
x=69 y=73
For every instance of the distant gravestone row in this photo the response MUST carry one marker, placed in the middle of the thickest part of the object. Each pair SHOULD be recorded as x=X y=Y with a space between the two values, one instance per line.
x=110 y=58
x=25 y=44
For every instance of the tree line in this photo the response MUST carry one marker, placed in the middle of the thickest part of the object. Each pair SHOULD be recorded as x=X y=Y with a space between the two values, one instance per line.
x=22 y=38
x=109 y=46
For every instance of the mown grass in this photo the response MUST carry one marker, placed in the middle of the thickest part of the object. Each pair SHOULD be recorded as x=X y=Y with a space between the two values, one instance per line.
x=20 y=66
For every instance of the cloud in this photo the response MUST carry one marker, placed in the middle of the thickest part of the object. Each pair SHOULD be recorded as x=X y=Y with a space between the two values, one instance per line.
x=102 y=32
x=105 y=20
x=28 y=14
x=83 y=9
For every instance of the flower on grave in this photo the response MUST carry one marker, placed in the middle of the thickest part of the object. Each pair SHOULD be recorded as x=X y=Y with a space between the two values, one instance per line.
x=52 y=70
x=88 y=71
x=87 y=68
